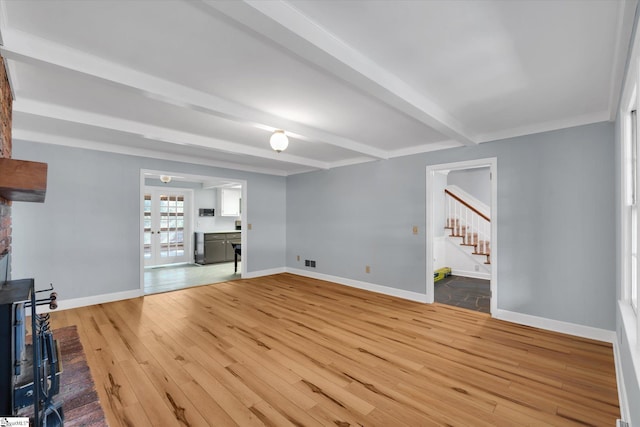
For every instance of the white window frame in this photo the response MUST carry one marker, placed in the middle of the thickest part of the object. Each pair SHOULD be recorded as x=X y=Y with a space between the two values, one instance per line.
x=629 y=209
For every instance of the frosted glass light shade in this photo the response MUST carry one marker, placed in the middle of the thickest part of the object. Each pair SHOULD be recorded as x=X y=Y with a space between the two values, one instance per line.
x=165 y=178
x=279 y=141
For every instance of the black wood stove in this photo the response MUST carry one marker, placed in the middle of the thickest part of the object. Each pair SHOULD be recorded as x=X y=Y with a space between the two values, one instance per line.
x=29 y=372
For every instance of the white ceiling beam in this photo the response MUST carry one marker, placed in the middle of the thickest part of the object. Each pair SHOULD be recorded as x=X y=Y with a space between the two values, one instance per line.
x=46 y=138
x=24 y=47
x=283 y=24
x=152 y=132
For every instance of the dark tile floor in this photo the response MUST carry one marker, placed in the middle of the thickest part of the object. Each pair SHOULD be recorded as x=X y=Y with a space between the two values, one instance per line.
x=464 y=292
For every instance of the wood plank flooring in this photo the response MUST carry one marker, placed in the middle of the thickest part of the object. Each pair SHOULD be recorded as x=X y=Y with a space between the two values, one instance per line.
x=285 y=350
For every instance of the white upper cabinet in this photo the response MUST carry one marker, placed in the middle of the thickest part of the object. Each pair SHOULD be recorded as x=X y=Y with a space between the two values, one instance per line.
x=230 y=199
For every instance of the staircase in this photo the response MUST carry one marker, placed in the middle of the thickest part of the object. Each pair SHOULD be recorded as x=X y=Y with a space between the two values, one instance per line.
x=469 y=224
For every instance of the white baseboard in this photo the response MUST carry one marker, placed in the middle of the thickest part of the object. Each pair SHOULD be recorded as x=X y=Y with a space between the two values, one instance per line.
x=400 y=293
x=268 y=272
x=622 y=391
x=117 y=296
x=556 y=326
x=92 y=300
x=474 y=274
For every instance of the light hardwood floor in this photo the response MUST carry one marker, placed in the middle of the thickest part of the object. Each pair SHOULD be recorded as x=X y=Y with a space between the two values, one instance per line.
x=291 y=351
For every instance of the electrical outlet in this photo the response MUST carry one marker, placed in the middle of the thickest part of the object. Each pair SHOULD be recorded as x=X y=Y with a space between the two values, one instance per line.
x=367 y=269
x=415 y=229
x=298 y=257
x=248 y=226
x=313 y=264
x=307 y=263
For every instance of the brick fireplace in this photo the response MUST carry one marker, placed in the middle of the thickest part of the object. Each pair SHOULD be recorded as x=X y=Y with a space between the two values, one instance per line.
x=6 y=101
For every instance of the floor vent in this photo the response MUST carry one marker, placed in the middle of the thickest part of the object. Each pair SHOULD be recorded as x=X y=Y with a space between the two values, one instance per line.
x=620 y=423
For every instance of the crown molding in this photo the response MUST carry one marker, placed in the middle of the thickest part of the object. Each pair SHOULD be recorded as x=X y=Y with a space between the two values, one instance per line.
x=601 y=116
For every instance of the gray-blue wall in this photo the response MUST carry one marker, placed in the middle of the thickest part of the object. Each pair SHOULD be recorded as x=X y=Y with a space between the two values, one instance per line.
x=85 y=238
x=476 y=182
x=555 y=222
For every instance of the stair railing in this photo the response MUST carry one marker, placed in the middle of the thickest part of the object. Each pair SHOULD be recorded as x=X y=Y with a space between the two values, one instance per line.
x=467 y=222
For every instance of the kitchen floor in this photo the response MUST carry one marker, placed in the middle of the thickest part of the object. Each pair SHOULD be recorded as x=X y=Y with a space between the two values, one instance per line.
x=174 y=277
x=465 y=292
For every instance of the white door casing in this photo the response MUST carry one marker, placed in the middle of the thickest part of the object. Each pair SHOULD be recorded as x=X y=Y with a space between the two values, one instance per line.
x=492 y=163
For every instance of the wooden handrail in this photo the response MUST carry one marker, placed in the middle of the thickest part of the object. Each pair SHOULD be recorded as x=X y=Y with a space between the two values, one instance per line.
x=467 y=205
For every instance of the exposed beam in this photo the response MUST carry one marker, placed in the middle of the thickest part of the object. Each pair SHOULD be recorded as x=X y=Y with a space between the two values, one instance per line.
x=46 y=138
x=24 y=47
x=283 y=24
x=152 y=132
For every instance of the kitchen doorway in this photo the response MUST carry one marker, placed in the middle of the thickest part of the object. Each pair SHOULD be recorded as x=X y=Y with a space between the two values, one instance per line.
x=435 y=220
x=173 y=208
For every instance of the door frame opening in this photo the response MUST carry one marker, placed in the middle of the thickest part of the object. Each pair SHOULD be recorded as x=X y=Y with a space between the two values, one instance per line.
x=244 y=203
x=492 y=163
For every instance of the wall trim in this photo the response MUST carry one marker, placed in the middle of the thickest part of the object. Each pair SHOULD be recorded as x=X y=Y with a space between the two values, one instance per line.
x=93 y=300
x=622 y=390
x=372 y=287
x=267 y=272
x=556 y=325
x=474 y=274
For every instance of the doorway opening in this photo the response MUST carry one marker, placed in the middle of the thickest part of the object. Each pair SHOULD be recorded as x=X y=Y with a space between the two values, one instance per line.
x=176 y=212
x=462 y=234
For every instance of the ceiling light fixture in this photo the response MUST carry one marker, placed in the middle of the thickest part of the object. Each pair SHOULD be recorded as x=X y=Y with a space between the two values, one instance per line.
x=165 y=178
x=279 y=141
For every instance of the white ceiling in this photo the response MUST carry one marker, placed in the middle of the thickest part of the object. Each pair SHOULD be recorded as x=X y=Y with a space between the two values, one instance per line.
x=349 y=81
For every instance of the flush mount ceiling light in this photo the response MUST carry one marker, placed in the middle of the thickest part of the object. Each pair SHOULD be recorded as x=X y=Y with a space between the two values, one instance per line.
x=165 y=178
x=279 y=141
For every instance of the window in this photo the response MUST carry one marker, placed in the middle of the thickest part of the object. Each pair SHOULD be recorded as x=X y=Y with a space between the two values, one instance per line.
x=630 y=161
x=633 y=291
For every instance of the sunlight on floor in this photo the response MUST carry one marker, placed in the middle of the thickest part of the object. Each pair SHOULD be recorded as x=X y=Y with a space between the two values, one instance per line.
x=173 y=277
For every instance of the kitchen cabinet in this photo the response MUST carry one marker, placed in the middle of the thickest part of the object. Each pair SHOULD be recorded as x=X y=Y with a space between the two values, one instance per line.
x=211 y=248
x=230 y=201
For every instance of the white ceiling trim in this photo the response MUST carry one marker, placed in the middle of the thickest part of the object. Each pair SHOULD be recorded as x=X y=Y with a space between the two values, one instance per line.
x=21 y=46
x=152 y=132
x=626 y=14
x=308 y=40
x=426 y=148
x=351 y=162
x=45 y=138
x=602 y=116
